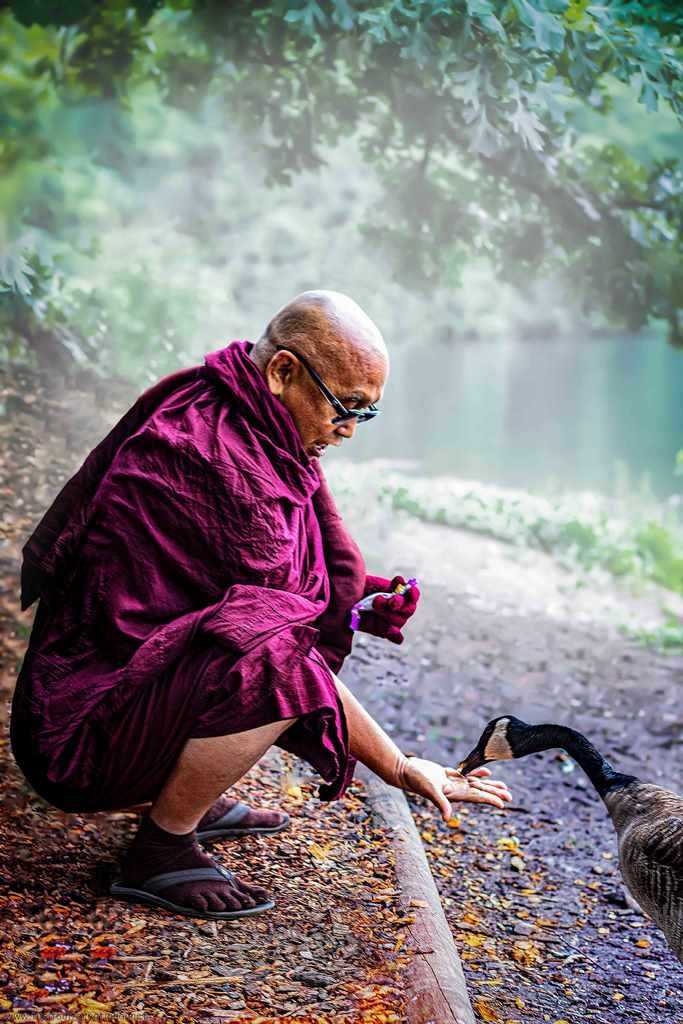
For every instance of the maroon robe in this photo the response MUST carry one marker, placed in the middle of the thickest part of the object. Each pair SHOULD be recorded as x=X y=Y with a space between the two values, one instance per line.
x=194 y=580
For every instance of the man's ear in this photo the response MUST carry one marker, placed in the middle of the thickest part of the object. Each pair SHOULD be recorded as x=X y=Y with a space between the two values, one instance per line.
x=279 y=372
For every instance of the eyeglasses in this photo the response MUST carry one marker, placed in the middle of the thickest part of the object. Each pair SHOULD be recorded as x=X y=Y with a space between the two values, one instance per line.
x=344 y=414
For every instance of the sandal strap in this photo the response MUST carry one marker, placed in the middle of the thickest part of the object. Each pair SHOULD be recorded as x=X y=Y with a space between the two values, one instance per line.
x=231 y=817
x=157 y=883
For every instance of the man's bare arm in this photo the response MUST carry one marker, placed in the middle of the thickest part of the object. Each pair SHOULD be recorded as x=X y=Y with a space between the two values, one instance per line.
x=369 y=742
x=371 y=745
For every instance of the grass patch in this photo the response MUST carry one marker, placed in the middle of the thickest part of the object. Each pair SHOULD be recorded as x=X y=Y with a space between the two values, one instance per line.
x=667 y=638
x=582 y=531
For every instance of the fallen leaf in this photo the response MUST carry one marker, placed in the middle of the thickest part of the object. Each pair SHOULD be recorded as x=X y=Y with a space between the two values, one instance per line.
x=510 y=843
x=92 y=1004
x=319 y=852
x=526 y=953
x=104 y=952
x=485 y=1010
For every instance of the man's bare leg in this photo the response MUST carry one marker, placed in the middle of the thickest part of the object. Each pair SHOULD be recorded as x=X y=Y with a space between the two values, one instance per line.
x=166 y=839
x=205 y=769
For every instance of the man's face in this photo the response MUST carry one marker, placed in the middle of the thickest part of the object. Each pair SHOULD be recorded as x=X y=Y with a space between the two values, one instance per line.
x=357 y=385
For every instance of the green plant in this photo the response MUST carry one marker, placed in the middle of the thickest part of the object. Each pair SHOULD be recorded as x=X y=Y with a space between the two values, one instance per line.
x=582 y=531
x=667 y=638
x=663 y=560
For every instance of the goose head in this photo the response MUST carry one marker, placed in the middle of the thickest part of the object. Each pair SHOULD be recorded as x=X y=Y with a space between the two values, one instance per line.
x=503 y=738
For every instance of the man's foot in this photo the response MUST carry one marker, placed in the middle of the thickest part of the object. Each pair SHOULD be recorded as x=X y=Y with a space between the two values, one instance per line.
x=230 y=817
x=172 y=871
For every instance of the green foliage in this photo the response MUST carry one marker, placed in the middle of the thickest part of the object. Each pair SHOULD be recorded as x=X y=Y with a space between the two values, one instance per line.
x=468 y=109
x=582 y=531
x=667 y=638
x=655 y=546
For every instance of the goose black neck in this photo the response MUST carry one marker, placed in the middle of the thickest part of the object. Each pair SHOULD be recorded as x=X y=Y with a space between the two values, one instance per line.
x=604 y=777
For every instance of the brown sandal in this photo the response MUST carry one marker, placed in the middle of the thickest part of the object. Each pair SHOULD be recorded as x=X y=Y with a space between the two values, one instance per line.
x=228 y=825
x=149 y=891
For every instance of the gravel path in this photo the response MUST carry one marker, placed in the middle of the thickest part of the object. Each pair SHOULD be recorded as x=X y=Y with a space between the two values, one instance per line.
x=533 y=894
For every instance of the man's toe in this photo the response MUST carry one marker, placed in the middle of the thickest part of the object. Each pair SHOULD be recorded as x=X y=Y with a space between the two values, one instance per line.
x=196 y=900
x=215 y=901
x=235 y=900
x=257 y=892
x=242 y=894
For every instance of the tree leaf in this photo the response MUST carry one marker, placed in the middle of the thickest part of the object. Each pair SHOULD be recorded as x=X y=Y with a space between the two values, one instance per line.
x=548 y=30
x=528 y=126
x=483 y=11
x=484 y=138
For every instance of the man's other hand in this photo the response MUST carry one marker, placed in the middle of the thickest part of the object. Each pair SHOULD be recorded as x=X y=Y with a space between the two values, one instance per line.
x=389 y=614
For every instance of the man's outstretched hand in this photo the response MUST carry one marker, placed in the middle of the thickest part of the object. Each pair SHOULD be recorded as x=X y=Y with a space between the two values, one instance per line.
x=388 y=615
x=441 y=785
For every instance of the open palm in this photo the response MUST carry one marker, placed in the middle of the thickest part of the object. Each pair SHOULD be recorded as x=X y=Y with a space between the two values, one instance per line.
x=442 y=785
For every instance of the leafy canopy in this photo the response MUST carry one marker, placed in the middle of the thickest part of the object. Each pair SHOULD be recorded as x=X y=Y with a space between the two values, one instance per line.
x=468 y=109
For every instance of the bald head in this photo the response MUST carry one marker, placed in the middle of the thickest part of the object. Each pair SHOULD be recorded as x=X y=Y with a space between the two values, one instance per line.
x=326 y=326
x=333 y=334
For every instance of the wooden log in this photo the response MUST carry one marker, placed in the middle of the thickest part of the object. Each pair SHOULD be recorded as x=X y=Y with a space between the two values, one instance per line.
x=437 y=990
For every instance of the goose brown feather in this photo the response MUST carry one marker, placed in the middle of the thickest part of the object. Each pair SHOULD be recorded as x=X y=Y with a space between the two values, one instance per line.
x=649 y=824
x=648 y=819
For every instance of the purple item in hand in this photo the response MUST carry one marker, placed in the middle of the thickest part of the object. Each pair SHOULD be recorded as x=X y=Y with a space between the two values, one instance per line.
x=366 y=603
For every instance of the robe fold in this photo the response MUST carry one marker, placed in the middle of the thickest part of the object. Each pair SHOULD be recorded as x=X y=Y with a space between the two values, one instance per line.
x=194 y=579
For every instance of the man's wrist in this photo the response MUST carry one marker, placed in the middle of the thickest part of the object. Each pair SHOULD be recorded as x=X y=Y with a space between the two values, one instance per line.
x=401 y=772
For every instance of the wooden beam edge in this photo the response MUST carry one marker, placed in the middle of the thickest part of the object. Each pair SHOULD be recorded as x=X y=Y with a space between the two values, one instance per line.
x=436 y=982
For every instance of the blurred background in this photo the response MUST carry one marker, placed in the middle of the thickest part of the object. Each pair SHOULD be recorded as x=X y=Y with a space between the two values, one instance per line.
x=497 y=183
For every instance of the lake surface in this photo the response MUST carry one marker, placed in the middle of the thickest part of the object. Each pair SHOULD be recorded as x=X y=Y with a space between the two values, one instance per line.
x=535 y=414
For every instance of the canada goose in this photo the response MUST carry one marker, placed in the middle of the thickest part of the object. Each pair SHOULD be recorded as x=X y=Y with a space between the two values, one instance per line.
x=648 y=819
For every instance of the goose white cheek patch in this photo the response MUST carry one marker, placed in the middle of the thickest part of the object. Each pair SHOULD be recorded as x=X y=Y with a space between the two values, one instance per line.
x=497 y=747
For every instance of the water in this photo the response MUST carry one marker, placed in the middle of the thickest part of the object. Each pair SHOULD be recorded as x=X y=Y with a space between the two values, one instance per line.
x=536 y=414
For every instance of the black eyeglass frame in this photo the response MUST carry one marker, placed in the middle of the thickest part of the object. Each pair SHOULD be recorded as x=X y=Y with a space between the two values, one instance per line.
x=344 y=414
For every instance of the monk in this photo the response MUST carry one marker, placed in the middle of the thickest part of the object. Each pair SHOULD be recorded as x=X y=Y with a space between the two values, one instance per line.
x=195 y=584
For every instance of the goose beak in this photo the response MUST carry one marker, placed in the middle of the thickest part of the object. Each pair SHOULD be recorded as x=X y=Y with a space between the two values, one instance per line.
x=475 y=759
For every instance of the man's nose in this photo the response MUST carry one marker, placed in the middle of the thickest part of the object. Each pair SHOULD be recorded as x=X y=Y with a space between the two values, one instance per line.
x=347 y=428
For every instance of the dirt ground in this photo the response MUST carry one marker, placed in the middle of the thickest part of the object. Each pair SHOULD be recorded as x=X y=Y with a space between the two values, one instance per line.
x=533 y=893
x=327 y=953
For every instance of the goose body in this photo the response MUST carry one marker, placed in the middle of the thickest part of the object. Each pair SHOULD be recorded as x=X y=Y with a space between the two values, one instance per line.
x=649 y=825
x=648 y=819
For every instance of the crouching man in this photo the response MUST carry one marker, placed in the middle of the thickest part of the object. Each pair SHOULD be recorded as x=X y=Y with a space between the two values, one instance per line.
x=195 y=583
